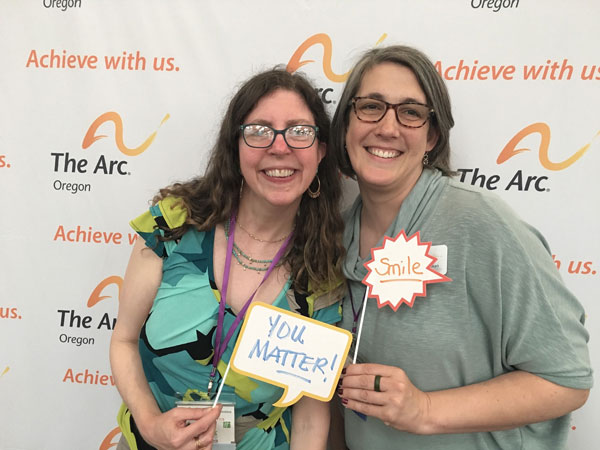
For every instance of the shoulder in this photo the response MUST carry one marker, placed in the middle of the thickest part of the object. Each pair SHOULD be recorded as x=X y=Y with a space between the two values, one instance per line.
x=467 y=198
x=168 y=214
x=323 y=306
x=477 y=207
x=157 y=223
x=481 y=223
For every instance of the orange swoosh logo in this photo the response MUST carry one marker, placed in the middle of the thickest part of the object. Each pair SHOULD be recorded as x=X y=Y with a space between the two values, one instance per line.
x=5 y=371
x=95 y=296
x=106 y=443
x=320 y=38
x=90 y=137
x=510 y=149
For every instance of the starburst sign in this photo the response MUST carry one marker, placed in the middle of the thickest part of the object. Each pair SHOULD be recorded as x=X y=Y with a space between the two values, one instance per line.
x=400 y=270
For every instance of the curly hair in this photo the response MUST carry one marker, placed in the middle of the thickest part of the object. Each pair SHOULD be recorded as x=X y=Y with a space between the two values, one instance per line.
x=316 y=252
x=429 y=80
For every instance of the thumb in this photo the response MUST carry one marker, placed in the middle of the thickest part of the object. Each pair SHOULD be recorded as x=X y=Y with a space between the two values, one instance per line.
x=204 y=418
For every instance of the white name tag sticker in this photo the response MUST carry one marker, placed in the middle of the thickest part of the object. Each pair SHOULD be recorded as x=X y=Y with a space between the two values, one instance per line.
x=441 y=253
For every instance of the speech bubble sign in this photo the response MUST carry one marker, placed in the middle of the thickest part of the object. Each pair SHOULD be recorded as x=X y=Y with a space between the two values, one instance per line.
x=301 y=355
x=400 y=270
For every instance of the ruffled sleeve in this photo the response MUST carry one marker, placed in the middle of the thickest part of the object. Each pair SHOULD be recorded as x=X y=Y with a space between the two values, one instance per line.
x=166 y=215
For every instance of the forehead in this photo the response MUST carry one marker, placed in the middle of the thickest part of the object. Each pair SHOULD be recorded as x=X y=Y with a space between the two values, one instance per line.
x=392 y=82
x=281 y=105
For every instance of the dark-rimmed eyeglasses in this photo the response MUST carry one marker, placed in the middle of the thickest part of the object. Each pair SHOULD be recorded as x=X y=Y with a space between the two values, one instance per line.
x=408 y=114
x=262 y=136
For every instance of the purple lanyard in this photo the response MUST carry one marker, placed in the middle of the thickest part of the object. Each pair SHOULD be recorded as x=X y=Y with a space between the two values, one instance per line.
x=220 y=346
x=355 y=313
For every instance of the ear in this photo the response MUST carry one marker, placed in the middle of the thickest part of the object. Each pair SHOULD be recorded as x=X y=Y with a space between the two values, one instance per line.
x=321 y=150
x=432 y=138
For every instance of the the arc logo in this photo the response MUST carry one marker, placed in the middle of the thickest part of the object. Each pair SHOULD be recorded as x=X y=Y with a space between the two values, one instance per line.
x=323 y=39
x=71 y=320
x=5 y=371
x=541 y=128
x=96 y=295
x=110 y=441
x=111 y=116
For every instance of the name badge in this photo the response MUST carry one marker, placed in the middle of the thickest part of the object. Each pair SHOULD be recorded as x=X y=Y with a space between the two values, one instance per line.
x=441 y=253
x=225 y=432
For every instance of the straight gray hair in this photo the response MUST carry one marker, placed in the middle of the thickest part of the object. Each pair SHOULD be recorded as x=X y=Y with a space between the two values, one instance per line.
x=430 y=82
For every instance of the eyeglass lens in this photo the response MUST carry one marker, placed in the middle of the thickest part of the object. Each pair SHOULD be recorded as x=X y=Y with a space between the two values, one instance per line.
x=262 y=136
x=373 y=110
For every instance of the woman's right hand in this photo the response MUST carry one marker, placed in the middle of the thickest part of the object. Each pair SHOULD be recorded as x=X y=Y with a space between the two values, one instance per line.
x=168 y=431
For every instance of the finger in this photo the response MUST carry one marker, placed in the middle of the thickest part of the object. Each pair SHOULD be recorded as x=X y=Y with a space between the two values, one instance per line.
x=205 y=440
x=366 y=382
x=372 y=369
x=203 y=413
x=203 y=418
x=364 y=408
x=184 y=414
x=365 y=396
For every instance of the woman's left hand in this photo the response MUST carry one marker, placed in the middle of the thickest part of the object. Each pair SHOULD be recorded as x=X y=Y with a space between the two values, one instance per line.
x=507 y=401
x=398 y=403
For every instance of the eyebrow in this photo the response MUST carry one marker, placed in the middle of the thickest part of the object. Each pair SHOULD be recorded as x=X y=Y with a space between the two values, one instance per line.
x=289 y=123
x=378 y=96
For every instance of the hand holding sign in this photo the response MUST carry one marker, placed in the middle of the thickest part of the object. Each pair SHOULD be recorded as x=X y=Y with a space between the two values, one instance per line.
x=302 y=355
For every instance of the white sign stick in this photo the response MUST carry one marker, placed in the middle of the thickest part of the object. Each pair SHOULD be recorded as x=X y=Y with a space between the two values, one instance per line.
x=362 y=319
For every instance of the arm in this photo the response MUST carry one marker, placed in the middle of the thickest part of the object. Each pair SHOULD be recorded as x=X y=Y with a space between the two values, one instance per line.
x=168 y=430
x=337 y=438
x=507 y=401
x=310 y=424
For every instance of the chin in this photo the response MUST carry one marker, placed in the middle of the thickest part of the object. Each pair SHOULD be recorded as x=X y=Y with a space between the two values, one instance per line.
x=283 y=201
x=379 y=178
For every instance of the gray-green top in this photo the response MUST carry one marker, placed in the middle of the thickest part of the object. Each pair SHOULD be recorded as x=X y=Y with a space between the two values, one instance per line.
x=505 y=309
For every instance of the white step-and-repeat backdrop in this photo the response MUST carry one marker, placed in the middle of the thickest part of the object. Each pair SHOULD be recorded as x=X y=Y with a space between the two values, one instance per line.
x=103 y=102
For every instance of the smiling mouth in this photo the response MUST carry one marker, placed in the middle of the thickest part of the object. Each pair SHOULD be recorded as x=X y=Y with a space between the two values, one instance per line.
x=279 y=173
x=381 y=153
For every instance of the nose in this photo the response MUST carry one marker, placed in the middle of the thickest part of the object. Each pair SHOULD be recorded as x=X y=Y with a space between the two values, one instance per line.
x=388 y=125
x=279 y=145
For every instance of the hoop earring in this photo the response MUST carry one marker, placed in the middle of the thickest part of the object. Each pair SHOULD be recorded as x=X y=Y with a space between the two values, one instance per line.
x=426 y=159
x=315 y=194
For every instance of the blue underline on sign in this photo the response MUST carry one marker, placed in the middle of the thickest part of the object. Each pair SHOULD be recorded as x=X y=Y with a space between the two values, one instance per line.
x=294 y=375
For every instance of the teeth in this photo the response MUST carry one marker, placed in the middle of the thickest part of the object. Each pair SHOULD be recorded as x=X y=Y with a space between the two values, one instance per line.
x=383 y=153
x=279 y=173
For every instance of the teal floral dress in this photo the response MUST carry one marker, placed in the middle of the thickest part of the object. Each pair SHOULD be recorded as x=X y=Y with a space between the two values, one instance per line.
x=177 y=340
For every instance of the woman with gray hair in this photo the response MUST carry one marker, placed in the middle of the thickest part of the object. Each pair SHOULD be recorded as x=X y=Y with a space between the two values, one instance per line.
x=494 y=358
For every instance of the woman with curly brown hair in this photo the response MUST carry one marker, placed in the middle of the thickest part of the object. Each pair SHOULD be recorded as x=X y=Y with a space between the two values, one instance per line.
x=261 y=224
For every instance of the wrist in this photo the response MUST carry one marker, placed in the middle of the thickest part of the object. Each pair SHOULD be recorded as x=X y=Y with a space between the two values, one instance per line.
x=426 y=424
x=145 y=422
